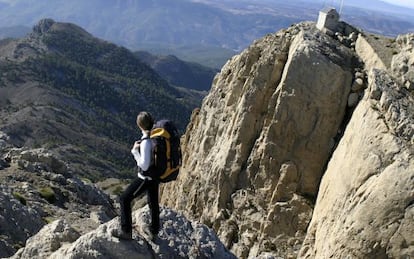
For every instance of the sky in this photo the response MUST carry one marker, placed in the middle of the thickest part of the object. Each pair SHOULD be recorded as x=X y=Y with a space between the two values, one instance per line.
x=407 y=3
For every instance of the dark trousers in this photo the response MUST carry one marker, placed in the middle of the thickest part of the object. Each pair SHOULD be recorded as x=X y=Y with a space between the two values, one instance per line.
x=135 y=189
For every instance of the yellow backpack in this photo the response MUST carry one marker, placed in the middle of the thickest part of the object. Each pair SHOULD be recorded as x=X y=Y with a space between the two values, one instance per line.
x=166 y=151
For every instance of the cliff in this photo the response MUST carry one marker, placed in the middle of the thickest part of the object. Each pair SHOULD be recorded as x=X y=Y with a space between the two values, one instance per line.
x=365 y=208
x=275 y=122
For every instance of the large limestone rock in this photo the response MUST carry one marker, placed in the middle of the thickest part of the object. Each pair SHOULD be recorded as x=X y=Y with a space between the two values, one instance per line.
x=17 y=221
x=178 y=238
x=402 y=64
x=256 y=150
x=47 y=240
x=369 y=50
x=365 y=206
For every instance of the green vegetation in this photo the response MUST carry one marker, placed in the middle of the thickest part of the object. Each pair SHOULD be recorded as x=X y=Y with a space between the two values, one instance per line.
x=180 y=73
x=48 y=194
x=48 y=220
x=18 y=245
x=10 y=72
x=20 y=198
x=86 y=180
x=109 y=79
x=91 y=92
x=118 y=190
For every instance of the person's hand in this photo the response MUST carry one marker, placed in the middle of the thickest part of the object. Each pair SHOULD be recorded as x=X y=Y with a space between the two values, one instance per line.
x=136 y=145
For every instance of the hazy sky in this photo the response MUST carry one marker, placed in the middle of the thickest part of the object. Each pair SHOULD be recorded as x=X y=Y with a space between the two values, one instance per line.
x=408 y=3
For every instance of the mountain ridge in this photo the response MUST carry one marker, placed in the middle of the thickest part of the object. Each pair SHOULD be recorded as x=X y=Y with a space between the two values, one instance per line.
x=161 y=25
x=180 y=73
x=68 y=106
x=70 y=75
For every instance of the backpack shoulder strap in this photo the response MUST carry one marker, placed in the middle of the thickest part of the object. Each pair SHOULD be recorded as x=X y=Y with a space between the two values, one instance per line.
x=160 y=132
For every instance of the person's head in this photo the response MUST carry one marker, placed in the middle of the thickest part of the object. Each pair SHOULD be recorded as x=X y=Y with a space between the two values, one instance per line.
x=145 y=121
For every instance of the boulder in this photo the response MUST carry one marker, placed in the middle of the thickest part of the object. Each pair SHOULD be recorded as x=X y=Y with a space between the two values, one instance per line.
x=49 y=239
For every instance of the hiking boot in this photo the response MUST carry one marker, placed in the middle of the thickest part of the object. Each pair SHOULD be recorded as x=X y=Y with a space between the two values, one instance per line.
x=154 y=231
x=121 y=234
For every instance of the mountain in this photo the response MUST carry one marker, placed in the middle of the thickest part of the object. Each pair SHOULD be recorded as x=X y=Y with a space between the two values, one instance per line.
x=184 y=27
x=68 y=106
x=180 y=73
x=68 y=91
x=303 y=148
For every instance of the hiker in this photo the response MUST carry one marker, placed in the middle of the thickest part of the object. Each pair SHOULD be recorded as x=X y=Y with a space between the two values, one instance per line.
x=142 y=152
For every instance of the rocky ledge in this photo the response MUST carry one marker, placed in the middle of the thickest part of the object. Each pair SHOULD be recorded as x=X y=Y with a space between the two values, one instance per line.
x=178 y=238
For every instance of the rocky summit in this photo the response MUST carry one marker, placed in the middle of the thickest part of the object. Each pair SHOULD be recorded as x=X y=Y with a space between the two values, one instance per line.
x=304 y=148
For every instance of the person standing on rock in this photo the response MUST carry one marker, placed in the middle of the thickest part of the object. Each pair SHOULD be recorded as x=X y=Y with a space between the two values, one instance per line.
x=142 y=152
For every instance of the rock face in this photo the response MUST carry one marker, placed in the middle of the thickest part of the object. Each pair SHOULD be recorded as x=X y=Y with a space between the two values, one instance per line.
x=178 y=238
x=402 y=64
x=274 y=123
x=369 y=54
x=365 y=206
x=256 y=150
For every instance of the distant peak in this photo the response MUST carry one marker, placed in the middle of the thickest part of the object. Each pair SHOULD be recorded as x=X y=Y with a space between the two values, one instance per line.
x=50 y=26
x=43 y=25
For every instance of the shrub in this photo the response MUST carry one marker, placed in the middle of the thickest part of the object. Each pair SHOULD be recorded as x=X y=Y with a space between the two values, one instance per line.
x=118 y=190
x=48 y=194
x=48 y=220
x=20 y=197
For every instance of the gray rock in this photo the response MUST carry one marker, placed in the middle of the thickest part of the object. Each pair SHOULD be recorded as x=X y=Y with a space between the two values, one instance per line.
x=357 y=85
x=353 y=36
x=48 y=240
x=4 y=136
x=40 y=159
x=43 y=26
x=17 y=221
x=178 y=238
x=353 y=99
x=3 y=140
x=3 y=163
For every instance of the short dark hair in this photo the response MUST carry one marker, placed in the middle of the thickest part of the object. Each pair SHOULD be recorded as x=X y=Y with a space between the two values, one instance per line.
x=145 y=120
